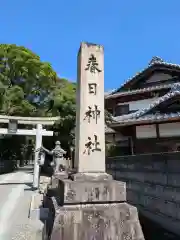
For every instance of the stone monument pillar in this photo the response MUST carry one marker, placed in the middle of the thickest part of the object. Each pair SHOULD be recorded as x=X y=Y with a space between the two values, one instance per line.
x=90 y=133
x=91 y=205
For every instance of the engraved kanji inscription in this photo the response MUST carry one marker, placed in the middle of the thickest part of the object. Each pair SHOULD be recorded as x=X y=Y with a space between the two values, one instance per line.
x=91 y=146
x=88 y=114
x=96 y=113
x=92 y=65
x=92 y=88
x=96 y=144
x=92 y=113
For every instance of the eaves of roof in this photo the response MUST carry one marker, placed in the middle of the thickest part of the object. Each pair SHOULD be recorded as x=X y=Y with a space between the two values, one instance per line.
x=149 y=118
x=158 y=62
x=141 y=90
x=142 y=115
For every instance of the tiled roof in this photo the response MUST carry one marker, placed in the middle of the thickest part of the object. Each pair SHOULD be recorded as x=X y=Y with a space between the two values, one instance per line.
x=109 y=92
x=141 y=90
x=143 y=114
x=153 y=62
x=150 y=118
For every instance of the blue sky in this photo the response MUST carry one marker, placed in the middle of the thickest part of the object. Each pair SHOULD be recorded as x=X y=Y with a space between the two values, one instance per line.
x=131 y=32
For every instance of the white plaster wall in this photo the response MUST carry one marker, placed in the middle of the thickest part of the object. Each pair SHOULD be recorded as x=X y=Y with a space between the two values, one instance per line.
x=169 y=129
x=146 y=131
x=138 y=105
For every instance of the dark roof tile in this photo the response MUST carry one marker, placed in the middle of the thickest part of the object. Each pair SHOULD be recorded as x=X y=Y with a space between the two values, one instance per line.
x=143 y=114
x=153 y=62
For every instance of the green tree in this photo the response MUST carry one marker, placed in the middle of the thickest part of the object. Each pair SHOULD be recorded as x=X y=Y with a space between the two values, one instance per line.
x=63 y=104
x=25 y=81
x=25 y=85
x=30 y=87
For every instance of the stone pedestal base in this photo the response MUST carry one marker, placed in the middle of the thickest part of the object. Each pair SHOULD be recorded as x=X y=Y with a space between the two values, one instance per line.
x=90 y=176
x=92 y=207
x=97 y=222
x=61 y=175
x=75 y=192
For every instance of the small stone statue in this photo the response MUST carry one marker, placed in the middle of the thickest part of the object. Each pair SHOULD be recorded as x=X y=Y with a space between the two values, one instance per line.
x=58 y=159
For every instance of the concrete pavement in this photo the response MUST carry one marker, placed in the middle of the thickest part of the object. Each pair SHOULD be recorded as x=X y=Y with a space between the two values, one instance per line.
x=15 y=198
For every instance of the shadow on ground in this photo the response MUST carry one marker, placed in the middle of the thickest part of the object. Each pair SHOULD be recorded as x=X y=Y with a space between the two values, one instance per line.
x=153 y=231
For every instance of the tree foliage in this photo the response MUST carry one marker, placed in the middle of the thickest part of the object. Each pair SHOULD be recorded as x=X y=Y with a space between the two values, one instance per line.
x=30 y=87
x=25 y=81
x=63 y=104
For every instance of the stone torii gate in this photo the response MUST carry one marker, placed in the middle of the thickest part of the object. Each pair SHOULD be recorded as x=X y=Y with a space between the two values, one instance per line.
x=39 y=132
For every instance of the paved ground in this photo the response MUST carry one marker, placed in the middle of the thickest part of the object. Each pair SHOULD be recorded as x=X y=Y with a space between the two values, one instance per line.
x=15 y=197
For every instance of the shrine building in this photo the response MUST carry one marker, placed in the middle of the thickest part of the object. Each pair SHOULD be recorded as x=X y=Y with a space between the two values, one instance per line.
x=146 y=111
